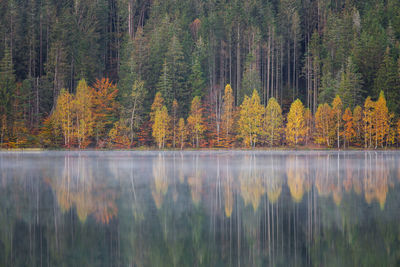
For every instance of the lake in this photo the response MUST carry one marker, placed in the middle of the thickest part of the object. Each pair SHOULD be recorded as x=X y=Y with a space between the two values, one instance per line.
x=300 y=208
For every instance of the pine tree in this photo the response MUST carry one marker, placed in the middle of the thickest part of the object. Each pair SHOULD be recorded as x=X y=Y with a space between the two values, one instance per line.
x=196 y=79
x=350 y=86
x=295 y=127
x=273 y=122
x=165 y=85
x=388 y=81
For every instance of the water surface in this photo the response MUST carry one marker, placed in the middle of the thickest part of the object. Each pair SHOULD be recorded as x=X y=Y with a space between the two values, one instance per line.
x=199 y=209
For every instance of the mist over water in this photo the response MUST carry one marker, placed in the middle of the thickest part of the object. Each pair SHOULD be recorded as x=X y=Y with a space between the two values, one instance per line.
x=200 y=208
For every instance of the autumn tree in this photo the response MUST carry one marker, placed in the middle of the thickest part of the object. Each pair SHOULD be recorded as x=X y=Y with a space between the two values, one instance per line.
x=104 y=107
x=135 y=110
x=196 y=121
x=118 y=135
x=323 y=124
x=380 y=120
x=250 y=119
x=227 y=117
x=295 y=127
x=273 y=121
x=308 y=117
x=369 y=107
x=349 y=133
x=182 y=133
x=158 y=103
x=358 y=124
x=83 y=115
x=337 y=117
x=174 y=122
x=160 y=126
x=63 y=115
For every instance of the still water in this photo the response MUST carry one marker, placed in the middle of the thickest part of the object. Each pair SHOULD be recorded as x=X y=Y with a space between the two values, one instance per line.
x=200 y=209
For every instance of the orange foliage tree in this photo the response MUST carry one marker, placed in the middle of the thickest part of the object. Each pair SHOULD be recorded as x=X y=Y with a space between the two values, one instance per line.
x=337 y=117
x=349 y=132
x=369 y=107
x=358 y=124
x=104 y=107
x=380 y=120
x=323 y=124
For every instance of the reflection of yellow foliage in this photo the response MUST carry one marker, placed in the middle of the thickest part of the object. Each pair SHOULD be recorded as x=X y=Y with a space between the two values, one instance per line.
x=274 y=189
x=195 y=187
x=322 y=181
x=160 y=186
x=228 y=201
x=376 y=183
x=296 y=175
x=251 y=184
x=78 y=188
x=337 y=197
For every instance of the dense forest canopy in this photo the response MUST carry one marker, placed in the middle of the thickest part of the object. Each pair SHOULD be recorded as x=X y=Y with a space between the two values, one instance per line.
x=283 y=49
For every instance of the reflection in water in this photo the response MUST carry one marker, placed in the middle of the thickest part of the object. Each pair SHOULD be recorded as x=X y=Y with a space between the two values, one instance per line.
x=200 y=209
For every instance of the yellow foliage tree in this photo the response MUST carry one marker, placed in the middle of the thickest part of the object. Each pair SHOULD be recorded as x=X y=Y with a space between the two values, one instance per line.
x=119 y=135
x=182 y=133
x=63 y=115
x=174 y=120
x=157 y=105
x=273 y=120
x=295 y=127
x=195 y=120
x=227 y=117
x=337 y=117
x=349 y=132
x=160 y=126
x=358 y=123
x=323 y=124
x=369 y=107
x=308 y=117
x=381 y=120
x=391 y=136
x=84 y=119
x=250 y=119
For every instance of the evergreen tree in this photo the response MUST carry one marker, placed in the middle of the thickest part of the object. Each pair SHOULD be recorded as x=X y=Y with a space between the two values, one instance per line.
x=388 y=81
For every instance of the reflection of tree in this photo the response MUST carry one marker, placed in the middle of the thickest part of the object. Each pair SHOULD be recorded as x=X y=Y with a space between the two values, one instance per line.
x=296 y=171
x=251 y=183
x=160 y=186
x=376 y=180
x=78 y=188
x=322 y=181
x=274 y=180
x=228 y=191
x=194 y=181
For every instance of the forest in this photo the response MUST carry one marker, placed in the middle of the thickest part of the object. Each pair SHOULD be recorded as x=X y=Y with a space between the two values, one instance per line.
x=199 y=73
